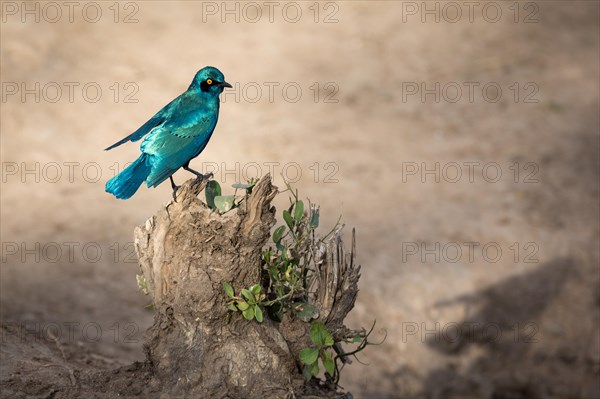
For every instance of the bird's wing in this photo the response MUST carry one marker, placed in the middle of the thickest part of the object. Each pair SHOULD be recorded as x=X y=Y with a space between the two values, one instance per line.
x=177 y=141
x=154 y=122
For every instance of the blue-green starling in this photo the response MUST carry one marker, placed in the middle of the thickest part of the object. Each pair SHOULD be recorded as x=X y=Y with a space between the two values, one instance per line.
x=175 y=135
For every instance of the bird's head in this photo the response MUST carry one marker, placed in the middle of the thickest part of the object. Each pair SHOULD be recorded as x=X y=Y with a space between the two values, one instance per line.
x=209 y=80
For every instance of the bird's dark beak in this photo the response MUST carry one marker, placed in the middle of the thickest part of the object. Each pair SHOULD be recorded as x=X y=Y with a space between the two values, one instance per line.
x=225 y=84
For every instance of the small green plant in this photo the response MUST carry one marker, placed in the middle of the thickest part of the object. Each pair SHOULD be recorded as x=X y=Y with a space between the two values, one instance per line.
x=288 y=268
x=284 y=267
x=225 y=203
x=249 y=303
x=141 y=283
x=143 y=286
x=323 y=341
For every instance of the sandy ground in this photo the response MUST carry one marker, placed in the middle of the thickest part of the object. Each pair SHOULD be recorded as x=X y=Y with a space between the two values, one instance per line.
x=464 y=151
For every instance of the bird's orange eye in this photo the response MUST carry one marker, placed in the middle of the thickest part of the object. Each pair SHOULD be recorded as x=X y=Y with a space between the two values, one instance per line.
x=209 y=81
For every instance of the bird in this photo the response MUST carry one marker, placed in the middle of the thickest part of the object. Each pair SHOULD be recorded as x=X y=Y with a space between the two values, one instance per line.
x=178 y=133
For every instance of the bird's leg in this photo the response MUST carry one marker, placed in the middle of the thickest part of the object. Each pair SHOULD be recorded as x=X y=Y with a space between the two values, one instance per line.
x=175 y=187
x=198 y=174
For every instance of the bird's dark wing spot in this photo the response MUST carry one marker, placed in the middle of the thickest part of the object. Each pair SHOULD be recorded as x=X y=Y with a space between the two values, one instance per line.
x=185 y=136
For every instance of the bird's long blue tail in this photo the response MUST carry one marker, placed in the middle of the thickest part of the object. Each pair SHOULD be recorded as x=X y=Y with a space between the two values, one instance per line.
x=126 y=183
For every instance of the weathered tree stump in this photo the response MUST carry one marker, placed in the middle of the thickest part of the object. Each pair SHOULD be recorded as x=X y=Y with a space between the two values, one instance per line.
x=186 y=252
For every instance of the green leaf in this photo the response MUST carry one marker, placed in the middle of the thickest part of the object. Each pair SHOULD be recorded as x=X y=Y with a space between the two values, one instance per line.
x=248 y=295
x=314 y=370
x=307 y=372
x=306 y=311
x=224 y=202
x=242 y=305
x=314 y=218
x=258 y=313
x=248 y=313
x=299 y=211
x=266 y=256
x=242 y=186
x=329 y=339
x=228 y=289
x=319 y=334
x=278 y=234
x=328 y=363
x=212 y=190
x=231 y=306
x=309 y=355
x=255 y=289
x=288 y=219
x=357 y=338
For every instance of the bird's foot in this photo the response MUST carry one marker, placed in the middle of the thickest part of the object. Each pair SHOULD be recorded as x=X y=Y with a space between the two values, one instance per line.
x=200 y=176
x=175 y=187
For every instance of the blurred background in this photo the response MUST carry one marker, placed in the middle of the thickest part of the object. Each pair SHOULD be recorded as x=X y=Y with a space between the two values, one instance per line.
x=460 y=139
